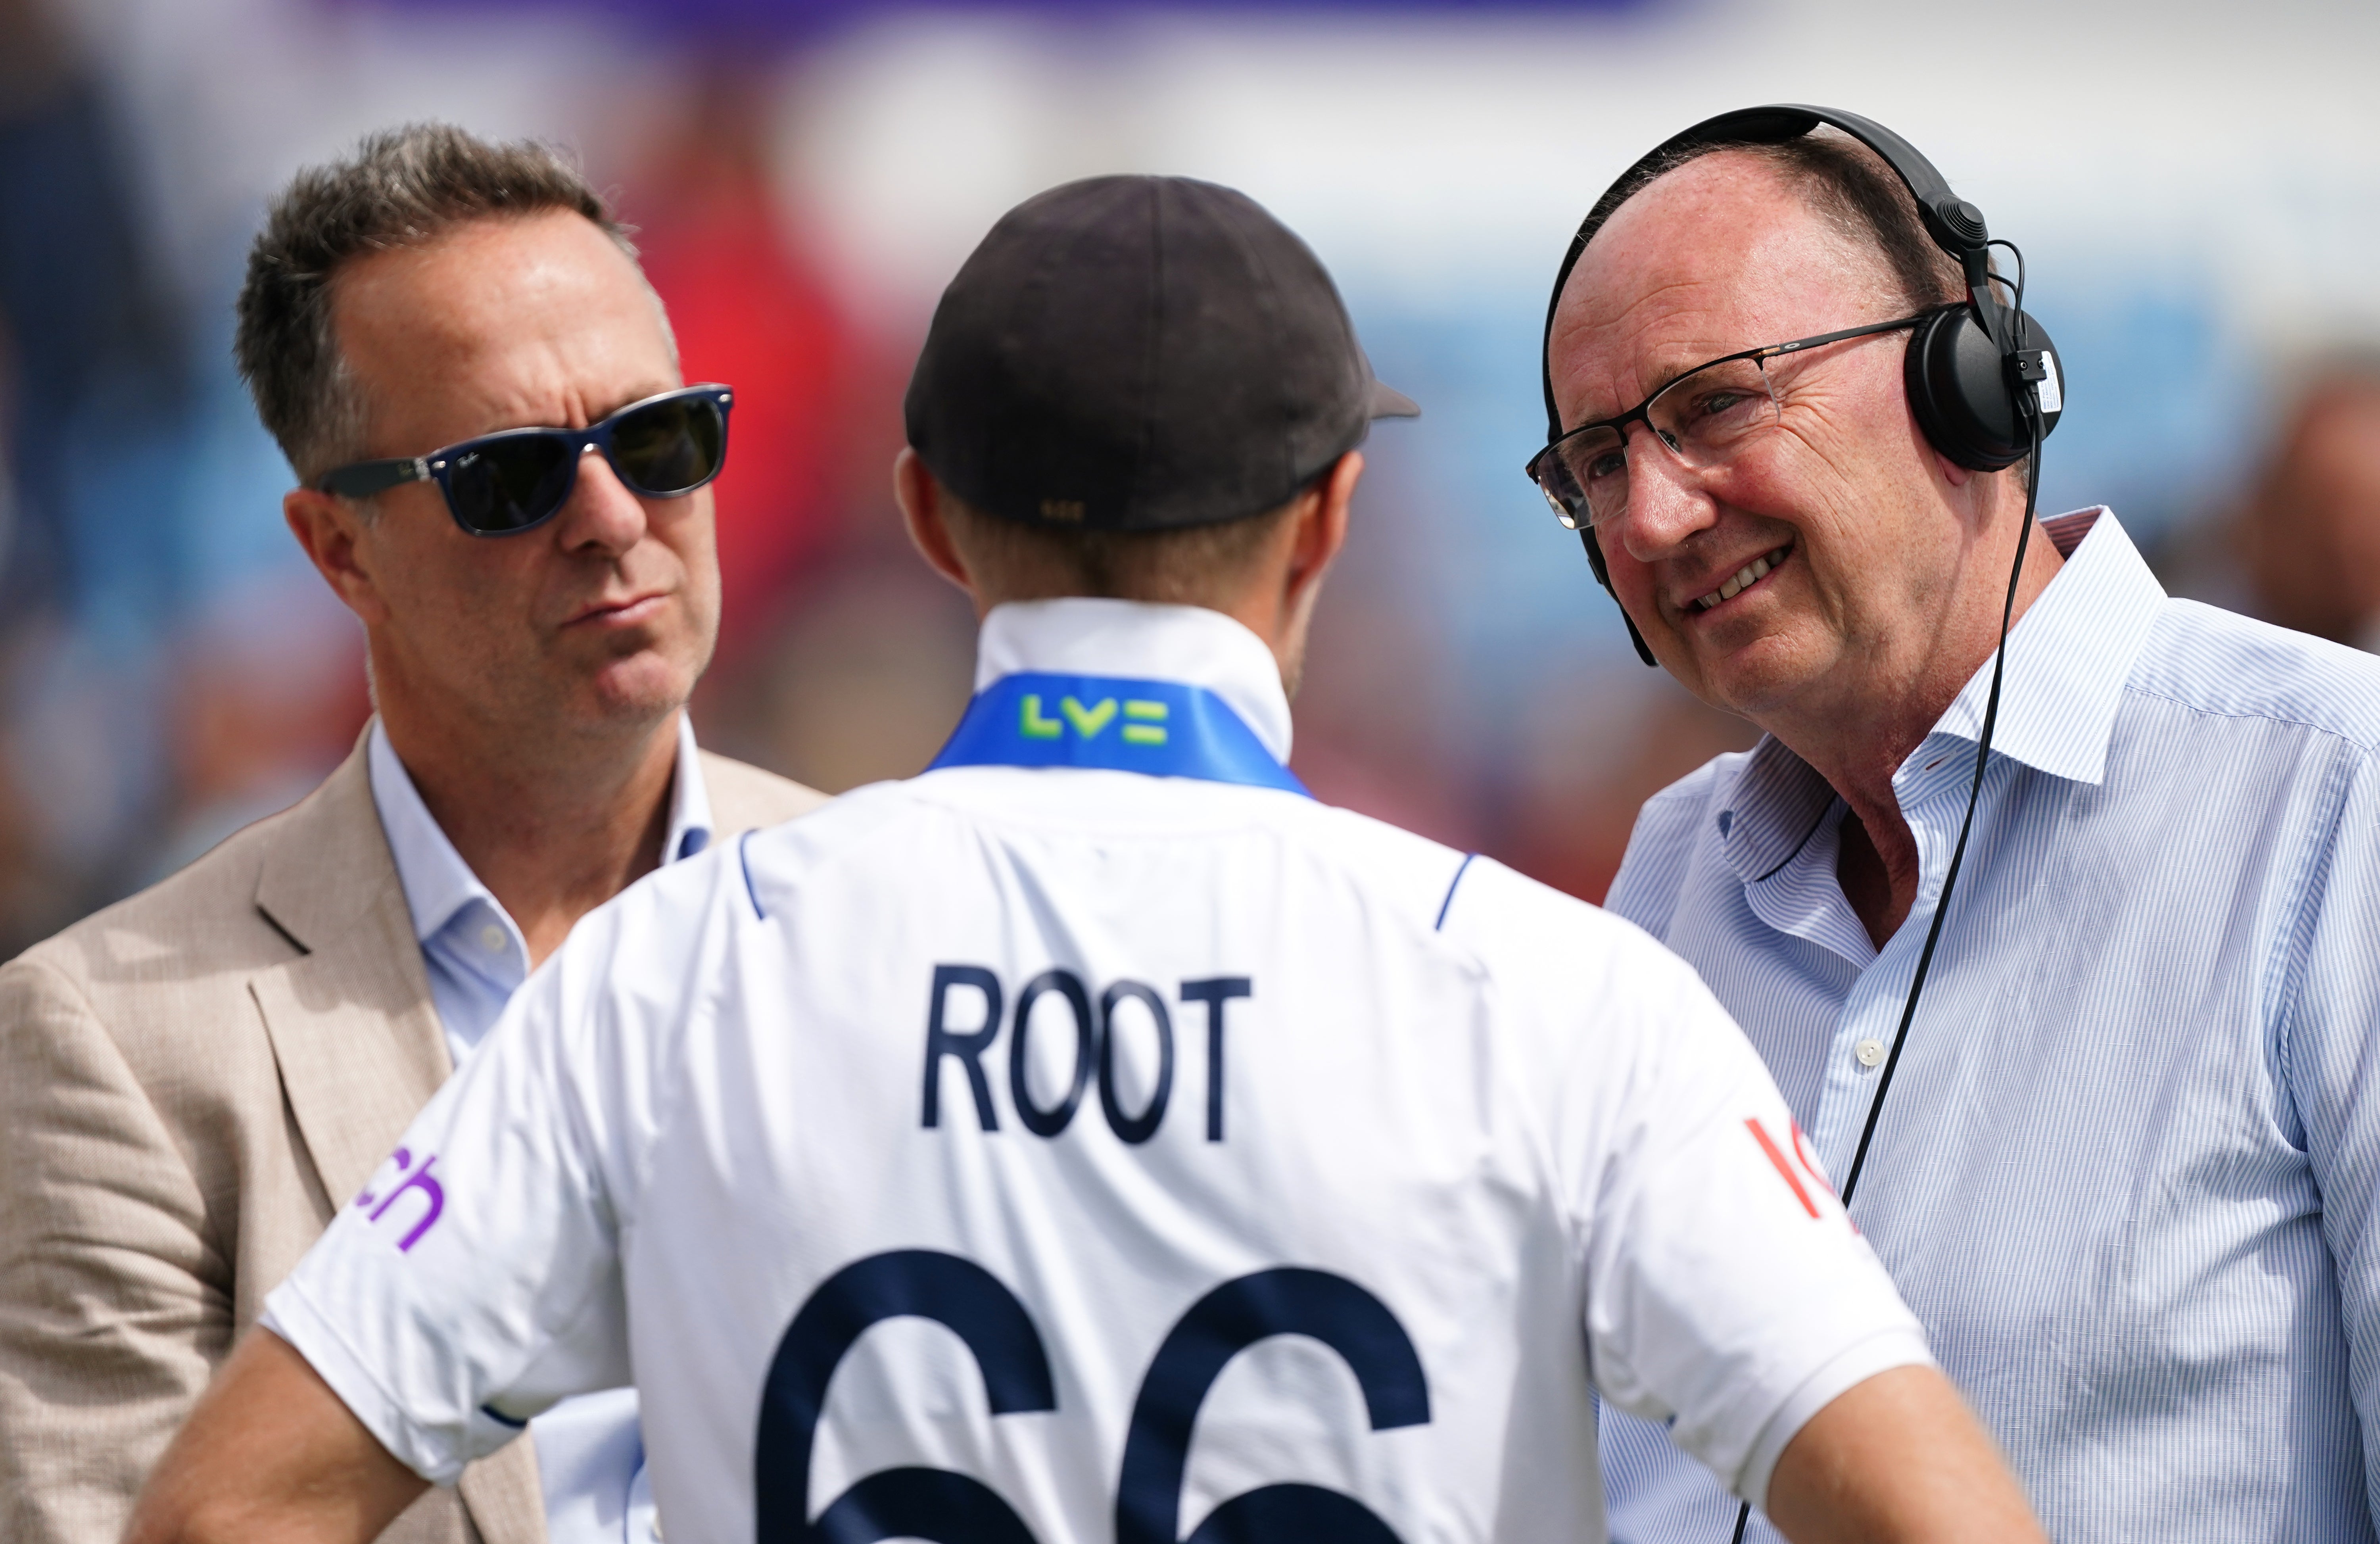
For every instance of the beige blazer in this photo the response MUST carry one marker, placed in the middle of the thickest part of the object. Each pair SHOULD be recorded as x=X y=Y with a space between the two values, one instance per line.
x=190 y=1081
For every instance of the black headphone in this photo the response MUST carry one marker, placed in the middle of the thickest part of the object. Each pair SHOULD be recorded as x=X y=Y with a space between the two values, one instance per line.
x=1969 y=368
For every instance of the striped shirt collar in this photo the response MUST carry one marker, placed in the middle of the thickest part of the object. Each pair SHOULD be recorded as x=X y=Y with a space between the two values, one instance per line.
x=2069 y=655
x=2067 y=658
x=438 y=885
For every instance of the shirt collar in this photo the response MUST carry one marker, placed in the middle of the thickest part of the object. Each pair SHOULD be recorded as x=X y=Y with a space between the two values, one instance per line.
x=1774 y=810
x=690 y=827
x=436 y=880
x=2069 y=655
x=1139 y=639
x=2068 y=658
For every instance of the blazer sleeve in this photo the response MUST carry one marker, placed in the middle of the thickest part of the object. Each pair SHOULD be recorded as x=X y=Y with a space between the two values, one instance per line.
x=113 y=1298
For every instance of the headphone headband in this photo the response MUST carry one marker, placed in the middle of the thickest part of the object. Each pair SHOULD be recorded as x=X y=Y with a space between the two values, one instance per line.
x=1956 y=226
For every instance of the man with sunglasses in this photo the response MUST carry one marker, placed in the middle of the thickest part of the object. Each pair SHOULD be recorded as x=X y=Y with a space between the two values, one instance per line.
x=504 y=479
x=2125 y=1173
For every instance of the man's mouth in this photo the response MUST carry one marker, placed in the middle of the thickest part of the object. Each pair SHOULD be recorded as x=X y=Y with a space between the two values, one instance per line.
x=1743 y=579
x=632 y=609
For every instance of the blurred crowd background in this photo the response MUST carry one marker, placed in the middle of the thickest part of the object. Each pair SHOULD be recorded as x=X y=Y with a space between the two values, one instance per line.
x=2197 y=188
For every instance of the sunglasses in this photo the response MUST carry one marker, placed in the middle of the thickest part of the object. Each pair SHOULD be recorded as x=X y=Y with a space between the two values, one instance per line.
x=502 y=484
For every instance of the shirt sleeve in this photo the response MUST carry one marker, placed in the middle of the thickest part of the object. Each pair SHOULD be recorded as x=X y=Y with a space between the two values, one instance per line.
x=476 y=1281
x=2329 y=1044
x=1727 y=1295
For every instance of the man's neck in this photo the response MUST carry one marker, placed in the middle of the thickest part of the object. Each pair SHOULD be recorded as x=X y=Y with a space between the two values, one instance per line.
x=1858 y=744
x=553 y=828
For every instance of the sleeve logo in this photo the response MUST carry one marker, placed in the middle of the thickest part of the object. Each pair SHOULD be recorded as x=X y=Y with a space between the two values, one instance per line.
x=414 y=1181
x=1785 y=1166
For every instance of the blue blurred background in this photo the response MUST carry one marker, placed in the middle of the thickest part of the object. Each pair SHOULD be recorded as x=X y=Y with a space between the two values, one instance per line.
x=2196 y=187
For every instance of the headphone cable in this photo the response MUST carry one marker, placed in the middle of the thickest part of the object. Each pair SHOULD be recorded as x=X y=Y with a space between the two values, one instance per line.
x=2031 y=406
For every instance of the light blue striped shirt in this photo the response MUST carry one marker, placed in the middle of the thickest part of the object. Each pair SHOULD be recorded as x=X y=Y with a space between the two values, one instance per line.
x=2131 y=1159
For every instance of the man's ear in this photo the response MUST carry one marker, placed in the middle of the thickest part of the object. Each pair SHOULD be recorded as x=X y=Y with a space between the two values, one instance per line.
x=927 y=522
x=331 y=530
x=1321 y=529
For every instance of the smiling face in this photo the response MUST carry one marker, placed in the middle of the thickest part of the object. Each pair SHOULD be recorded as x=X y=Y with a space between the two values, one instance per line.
x=596 y=623
x=1828 y=557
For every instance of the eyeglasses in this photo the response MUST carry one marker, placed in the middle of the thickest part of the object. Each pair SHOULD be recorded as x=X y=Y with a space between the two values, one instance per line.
x=1703 y=417
x=502 y=484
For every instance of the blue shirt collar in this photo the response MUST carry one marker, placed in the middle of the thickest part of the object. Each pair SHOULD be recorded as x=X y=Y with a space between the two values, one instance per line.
x=2068 y=658
x=438 y=884
x=1141 y=639
x=2069 y=655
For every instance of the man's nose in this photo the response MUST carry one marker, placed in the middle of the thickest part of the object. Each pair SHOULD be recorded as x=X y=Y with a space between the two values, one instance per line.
x=604 y=515
x=1666 y=501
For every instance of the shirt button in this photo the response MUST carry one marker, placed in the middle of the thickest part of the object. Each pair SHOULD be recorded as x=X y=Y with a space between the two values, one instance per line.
x=1869 y=1052
x=492 y=939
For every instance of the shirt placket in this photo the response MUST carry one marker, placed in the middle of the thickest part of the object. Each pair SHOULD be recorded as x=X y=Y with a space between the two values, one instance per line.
x=1931 y=786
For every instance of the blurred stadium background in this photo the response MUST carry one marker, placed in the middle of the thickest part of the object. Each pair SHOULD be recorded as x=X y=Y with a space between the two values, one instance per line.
x=2196 y=186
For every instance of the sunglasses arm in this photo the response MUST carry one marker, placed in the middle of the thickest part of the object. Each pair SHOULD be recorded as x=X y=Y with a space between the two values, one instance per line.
x=363 y=478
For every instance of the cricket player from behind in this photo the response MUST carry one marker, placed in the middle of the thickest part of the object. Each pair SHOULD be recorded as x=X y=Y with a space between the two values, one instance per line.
x=1095 y=1138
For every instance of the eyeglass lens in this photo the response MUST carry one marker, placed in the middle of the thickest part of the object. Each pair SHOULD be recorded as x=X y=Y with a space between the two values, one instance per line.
x=1702 y=418
x=659 y=449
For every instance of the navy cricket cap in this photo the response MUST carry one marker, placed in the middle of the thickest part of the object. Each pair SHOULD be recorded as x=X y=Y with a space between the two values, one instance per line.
x=1139 y=353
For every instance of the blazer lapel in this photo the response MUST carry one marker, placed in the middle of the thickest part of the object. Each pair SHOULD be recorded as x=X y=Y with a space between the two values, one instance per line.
x=359 y=1044
x=351 y=1020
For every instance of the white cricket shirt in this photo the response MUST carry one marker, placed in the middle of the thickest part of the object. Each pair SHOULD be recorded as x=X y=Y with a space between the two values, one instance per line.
x=1068 y=1154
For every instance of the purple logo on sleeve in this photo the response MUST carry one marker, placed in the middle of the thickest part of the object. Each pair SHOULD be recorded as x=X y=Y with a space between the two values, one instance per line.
x=417 y=1179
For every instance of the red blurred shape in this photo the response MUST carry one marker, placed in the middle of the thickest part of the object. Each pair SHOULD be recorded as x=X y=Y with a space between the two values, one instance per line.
x=749 y=311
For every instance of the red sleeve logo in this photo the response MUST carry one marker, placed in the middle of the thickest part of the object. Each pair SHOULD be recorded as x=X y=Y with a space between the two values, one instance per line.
x=1785 y=1166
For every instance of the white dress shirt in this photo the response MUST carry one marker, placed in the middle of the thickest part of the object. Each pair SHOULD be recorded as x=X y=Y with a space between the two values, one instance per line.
x=2129 y=1168
x=1111 y=1148
x=590 y=1449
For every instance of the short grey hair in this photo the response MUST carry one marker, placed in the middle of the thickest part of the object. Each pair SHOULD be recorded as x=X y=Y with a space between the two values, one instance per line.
x=401 y=188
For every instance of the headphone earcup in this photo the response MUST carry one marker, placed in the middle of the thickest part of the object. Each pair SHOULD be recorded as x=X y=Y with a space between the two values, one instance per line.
x=1960 y=392
x=1603 y=576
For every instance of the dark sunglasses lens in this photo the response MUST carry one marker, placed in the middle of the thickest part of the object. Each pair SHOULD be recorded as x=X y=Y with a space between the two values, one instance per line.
x=669 y=448
x=507 y=485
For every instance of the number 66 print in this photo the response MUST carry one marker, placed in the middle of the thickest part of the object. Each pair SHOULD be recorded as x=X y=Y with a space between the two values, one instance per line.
x=951 y=1508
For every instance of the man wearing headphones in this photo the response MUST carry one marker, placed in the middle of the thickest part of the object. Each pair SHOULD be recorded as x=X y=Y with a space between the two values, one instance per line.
x=2101 y=1110
x=1253 y=1162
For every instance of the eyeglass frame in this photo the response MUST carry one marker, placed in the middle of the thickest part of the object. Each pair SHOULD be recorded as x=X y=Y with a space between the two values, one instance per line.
x=362 y=479
x=1638 y=414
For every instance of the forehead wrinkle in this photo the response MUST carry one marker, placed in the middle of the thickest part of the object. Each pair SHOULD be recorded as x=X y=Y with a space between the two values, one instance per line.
x=1772 y=252
x=1647 y=366
x=531 y=322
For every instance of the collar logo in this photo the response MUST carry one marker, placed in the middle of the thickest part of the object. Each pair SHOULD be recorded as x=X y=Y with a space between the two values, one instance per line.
x=1112 y=722
x=1144 y=719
